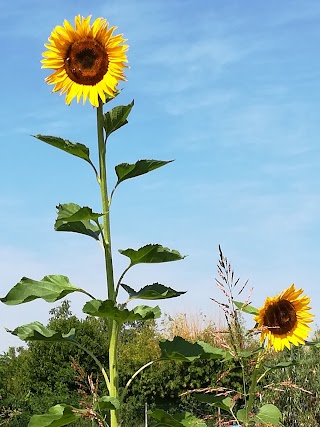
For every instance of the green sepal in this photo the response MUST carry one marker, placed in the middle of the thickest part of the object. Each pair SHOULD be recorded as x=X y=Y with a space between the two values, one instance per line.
x=131 y=170
x=184 y=419
x=151 y=254
x=58 y=415
x=35 y=331
x=116 y=118
x=246 y=308
x=152 y=292
x=74 y=148
x=107 y=403
x=74 y=218
x=50 y=288
x=182 y=350
x=108 y=310
x=222 y=402
x=268 y=415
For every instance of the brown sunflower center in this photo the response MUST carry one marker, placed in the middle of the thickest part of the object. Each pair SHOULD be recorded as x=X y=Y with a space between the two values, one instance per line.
x=280 y=317
x=86 y=62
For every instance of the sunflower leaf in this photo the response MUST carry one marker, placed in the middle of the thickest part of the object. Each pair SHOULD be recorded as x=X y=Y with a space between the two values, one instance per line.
x=58 y=416
x=131 y=170
x=35 y=331
x=73 y=218
x=184 y=419
x=107 y=309
x=152 y=292
x=74 y=148
x=268 y=414
x=150 y=254
x=50 y=288
x=221 y=402
x=246 y=308
x=116 y=118
x=107 y=403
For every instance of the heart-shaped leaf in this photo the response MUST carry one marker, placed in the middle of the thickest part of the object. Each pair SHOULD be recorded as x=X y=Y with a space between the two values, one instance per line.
x=37 y=332
x=117 y=117
x=77 y=219
x=50 y=288
x=151 y=254
x=268 y=415
x=58 y=416
x=152 y=292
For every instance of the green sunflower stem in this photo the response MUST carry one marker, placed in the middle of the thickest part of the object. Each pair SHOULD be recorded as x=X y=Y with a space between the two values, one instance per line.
x=252 y=390
x=113 y=326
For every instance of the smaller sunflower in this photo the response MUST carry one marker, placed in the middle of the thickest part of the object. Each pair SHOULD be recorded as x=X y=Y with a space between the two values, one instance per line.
x=284 y=319
x=88 y=60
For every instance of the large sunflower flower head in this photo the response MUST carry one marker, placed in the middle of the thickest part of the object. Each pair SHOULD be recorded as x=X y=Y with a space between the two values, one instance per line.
x=284 y=319
x=88 y=60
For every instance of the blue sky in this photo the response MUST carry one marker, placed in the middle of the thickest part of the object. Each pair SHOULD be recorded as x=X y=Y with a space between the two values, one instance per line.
x=230 y=90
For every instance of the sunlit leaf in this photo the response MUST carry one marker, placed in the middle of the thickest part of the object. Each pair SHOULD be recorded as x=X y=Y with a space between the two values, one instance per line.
x=37 y=332
x=180 y=349
x=246 y=308
x=108 y=310
x=222 y=402
x=151 y=254
x=131 y=170
x=59 y=415
x=74 y=148
x=74 y=218
x=50 y=288
x=268 y=415
x=107 y=403
x=116 y=118
x=152 y=292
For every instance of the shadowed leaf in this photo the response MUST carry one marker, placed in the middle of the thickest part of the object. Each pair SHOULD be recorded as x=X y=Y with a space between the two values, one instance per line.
x=106 y=309
x=59 y=415
x=151 y=254
x=116 y=118
x=222 y=402
x=50 y=288
x=107 y=403
x=37 y=332
x=77 y=219
x=184 y=419
x=152 y=292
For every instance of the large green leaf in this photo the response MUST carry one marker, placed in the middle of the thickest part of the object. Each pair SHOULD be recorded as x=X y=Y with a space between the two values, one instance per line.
x=37 y=332
x=151 y=254
x=180 y=349
x=223 y=402
x=108 y=310
x=268 y=415
x=74 y=148
x=107 y=403
x=59 y=415
x=246 y=308
x=77 y=219
x=131 y=170
x=50 y=288
x=116 y=118
x=184 y=419
x=152 y=292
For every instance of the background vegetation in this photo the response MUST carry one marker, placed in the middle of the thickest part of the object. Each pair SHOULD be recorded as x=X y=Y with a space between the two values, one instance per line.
x=35 y=378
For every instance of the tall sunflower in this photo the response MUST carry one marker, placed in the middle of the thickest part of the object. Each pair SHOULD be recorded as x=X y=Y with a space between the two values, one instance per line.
x=88 y=60
x=284 y=319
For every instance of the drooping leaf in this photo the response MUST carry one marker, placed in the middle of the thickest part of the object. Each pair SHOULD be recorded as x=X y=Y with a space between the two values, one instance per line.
x=268 y=415
x=116 y=118
x=151 y=254
x=131 y=170
x=35 y=331
x=152 y=292
x=74 y=148
x=180 y=349
x=107 y=403
x=108 y=310
x=58 y=415
x=223 y=402
x=184 y=419
x=74 y=218
x=246 y=308
x=281 y=365
x=50 y=288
